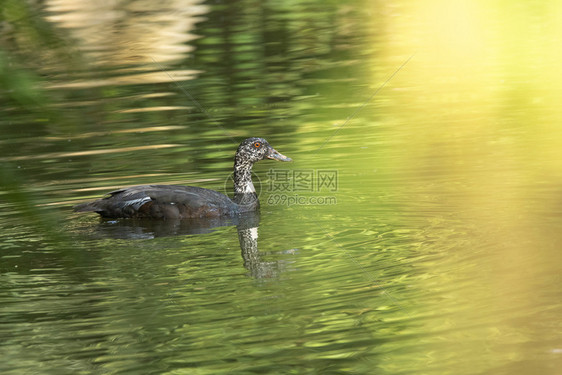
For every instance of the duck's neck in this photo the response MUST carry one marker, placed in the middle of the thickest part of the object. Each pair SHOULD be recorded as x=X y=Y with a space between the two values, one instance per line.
x=244 y=192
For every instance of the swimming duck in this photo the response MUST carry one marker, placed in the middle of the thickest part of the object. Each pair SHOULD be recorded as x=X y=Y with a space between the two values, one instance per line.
x=178 y=202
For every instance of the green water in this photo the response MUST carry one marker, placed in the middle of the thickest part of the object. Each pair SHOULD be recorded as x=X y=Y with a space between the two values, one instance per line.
x=417 y=230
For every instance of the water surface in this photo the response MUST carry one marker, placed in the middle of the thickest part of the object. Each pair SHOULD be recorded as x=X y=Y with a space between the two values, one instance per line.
x=416 y=231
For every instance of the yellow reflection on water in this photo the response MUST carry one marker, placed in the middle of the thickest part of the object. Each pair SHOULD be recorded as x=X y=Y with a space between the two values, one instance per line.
x=478 y=128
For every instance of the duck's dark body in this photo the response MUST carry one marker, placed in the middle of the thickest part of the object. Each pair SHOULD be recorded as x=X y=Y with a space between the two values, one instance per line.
x=182 y=202
x=163 y=202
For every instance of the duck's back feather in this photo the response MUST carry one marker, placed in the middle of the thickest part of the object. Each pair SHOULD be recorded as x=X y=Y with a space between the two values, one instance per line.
x=162 y=202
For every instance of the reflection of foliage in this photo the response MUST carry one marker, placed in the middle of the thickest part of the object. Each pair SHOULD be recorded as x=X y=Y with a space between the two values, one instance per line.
x=17 y=28
x=42 y=223
x=29 y=45
x=25 y=32
x=18 y=86
x=269 y=61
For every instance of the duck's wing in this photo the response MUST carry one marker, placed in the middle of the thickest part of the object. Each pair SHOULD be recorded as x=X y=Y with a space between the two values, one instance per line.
x=161 y=201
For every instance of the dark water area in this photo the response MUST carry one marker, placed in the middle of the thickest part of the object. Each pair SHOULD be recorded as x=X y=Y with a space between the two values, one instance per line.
x=417 y=230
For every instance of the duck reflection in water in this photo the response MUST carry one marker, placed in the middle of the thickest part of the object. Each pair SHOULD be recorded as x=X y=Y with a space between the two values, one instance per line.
x=247 y=225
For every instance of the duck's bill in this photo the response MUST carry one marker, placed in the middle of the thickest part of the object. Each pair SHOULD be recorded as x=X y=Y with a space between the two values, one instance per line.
x=275 y=155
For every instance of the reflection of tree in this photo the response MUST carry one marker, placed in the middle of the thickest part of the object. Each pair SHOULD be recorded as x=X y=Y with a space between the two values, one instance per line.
x=27 y=41
x=122 y=33
x=136 y=34
x=267 y=62
x=263 y=53
x=25 y=33
x=256 y=62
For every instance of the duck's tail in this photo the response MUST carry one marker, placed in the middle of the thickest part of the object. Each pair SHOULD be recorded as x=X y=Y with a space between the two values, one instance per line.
x=87 y=207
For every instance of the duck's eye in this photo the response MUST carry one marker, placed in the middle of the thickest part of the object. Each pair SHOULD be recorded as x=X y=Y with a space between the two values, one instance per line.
x=257 y=144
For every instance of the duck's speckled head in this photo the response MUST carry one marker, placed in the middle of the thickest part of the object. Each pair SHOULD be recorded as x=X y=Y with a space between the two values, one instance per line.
x=252 y=150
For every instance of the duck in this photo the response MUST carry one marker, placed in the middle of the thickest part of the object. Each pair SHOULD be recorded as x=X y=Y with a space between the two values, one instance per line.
x=183 y=202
